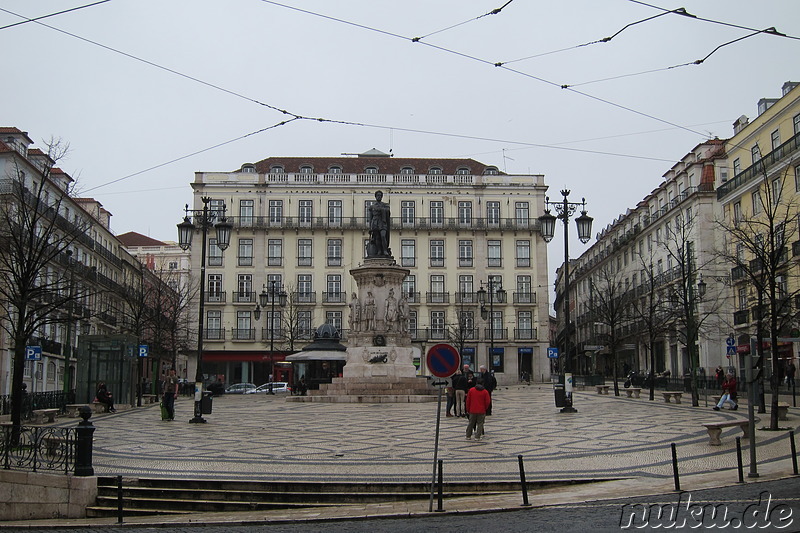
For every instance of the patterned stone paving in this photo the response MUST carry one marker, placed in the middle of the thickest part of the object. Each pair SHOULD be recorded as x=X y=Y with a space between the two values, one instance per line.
x=266 y=438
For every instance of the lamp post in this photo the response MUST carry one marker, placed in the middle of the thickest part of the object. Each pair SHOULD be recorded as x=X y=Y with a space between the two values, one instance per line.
x=565 y=209
x=70 y=306
x=693 y=331
x=270 y=298
x=204 y=219
x=495 y=289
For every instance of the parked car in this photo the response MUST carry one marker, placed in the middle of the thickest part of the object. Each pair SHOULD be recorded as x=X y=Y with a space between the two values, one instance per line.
x=240 y=388
x=278 y=387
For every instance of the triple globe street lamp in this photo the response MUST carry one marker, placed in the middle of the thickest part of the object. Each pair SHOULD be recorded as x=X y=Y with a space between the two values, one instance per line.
x=565 y=209
x=205 y=219
x=496 y=292
x=275 y=294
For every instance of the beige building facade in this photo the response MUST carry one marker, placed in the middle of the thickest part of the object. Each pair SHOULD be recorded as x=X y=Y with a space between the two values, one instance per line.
x=300 y=225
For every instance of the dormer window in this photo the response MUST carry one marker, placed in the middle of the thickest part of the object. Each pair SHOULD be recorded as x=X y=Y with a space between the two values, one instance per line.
x=371 y=170
x=435 y=171
x=335 y=170
x=277 y=169
x=306 y=170
x=491 y=171
x=462 y=172
x=406 y=170
x=249 y=168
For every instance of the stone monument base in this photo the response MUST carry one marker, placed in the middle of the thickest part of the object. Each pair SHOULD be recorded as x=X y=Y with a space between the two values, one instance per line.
x=372 y=390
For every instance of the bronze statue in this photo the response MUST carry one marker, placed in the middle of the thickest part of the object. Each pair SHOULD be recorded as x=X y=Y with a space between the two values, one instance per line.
x=380 y=224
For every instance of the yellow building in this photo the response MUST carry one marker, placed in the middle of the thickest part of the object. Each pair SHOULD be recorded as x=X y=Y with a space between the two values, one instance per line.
x=300 y=226
x=760 y=203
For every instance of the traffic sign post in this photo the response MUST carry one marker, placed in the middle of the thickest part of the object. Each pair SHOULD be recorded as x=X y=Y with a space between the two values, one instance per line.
x=33 y=353
x=442 y=360
x=552 y=353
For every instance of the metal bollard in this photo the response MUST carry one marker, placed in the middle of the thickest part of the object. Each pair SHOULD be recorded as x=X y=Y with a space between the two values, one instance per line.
x=739 y=459
x=525 y=502
x=675 y=467
x=439 y=508
x=794 y=453
x=119 y=499
x=83 y=443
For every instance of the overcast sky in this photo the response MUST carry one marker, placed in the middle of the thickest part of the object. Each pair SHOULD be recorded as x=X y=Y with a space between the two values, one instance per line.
x=135 y=84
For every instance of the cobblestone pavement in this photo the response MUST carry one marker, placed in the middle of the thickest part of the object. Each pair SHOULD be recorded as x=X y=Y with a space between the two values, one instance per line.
x=266 y=438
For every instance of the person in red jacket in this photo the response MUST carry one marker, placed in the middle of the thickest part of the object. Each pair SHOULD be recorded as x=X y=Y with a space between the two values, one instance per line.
x=478 y=402
x=728 y=393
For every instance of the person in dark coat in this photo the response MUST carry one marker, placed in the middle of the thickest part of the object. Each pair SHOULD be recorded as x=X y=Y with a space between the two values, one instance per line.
x=104 y=396
x=489 y=383
x=460 y=388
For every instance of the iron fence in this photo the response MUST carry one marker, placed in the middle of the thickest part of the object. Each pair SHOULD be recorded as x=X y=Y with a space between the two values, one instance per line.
x=38 y=448
x=39 y=400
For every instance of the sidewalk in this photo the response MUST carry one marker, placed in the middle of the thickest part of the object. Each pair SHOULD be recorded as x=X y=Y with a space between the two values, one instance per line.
x=264 y=438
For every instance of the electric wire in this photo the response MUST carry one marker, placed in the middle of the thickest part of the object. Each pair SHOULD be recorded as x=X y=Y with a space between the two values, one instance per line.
x=492 y=12
x=52 y=14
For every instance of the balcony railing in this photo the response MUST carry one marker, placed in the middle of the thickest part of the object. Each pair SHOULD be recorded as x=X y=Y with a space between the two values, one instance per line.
x=525 y=334
x=466 y=298
x=757 y=169
x=524 y=297
x=438 y=297
x=279 y=334
x=417 y=223
x=214 y=334
x=333 y=297
x=248 y=334
x=215 y=297
x=495 y=333
x=304 y=297
x=244 y=297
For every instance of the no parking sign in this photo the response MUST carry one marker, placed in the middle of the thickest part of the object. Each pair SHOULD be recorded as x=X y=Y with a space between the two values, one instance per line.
x=443 y=360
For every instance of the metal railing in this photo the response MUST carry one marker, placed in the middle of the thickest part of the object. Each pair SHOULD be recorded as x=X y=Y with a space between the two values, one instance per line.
x=39 y=400
x=38 y=448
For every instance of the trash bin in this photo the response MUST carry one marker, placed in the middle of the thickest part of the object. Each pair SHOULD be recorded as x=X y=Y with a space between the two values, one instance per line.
x=687 y=384
x=561 y=395
x=205 y=403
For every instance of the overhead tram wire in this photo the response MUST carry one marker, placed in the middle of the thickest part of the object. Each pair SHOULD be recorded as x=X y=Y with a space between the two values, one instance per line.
x=771 y=31
x=52 y=14
x=712 y=21
x=495 y=11
x=598 y=41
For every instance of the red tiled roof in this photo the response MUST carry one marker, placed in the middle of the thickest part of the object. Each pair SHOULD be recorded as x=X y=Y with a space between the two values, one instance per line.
x=385 y=165
x=16 y=131
x=137 y=239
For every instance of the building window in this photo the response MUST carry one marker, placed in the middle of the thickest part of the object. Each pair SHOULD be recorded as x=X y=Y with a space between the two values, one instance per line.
x=246 y=213
x=797 y=179
x=244 y=288
x=371 y=170
x=437 y=213
x=523 y=253
x=305 y=169
x=334 y=318
x=216 y=208
x=214 y=253
x=305 y=212
x=777 y=187
x=796 y=124
x=214 y=325
x=737 y=166
x=277 y=169
x=275 y=212
x=466 y=289
x=742 y=299
x=408 y=252
x=495 y=255
x=245 y=252
x=491 y=171
x=437 y=324
x=775 y=139
x=407 y=213
x=493 y=213
x=410 y=286
x=437 y=253
x=435 y=171
x=756 y=200
x=406 y=170
x=755 y=152
x=412 y=324
x=304 y=324
x=304 y=252
x=214 y=288
x=465 y=213
x=335 y=212
x=335 y=170
x=462 y=172
x=334 y=286
x=274 y=252
x=521 y=214
x=737 y=212
x=243 y=328
x=525 y=325
x=334 y=252
x=305 y=287
x=465 y=254
x=437 y=284
x=173 y=265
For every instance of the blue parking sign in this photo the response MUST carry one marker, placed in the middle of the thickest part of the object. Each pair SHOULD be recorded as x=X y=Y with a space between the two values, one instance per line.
x=143 y=348
x=552 y=353
x=33 y=353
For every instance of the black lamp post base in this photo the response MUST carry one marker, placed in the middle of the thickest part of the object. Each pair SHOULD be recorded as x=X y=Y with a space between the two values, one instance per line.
x=197 y=420
x=569 y=409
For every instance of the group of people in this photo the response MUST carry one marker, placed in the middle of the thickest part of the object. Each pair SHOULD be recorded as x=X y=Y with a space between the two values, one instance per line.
x=470 y=396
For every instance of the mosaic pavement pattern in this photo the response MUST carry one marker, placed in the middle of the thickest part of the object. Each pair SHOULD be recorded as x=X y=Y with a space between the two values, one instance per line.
x=266 y=438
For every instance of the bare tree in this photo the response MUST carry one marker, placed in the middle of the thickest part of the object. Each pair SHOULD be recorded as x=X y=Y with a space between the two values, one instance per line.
x=609 y=301
x=37 y=280
x=757 y=247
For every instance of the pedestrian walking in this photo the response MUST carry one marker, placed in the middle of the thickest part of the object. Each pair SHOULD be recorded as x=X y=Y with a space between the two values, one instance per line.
x=171 y=385
x=460 y=388
x=489 y=383
x=451 y=398
x=478 y=401
x=728 y=393
x=790 y=375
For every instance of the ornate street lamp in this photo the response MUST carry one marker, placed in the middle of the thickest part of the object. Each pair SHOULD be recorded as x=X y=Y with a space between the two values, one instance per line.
x=204 y=219
x=495 y=291
x=565 y=209
x=265 y=298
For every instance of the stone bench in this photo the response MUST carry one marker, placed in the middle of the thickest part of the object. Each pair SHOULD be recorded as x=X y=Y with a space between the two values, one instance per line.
x=715 y=429
x=42 y=416
x=53 y=444
x=602 y=389
x=149 y=398
x=99 y=408
x=633 y=392
x=672 y=394
x=783 y=411
x=74 y=409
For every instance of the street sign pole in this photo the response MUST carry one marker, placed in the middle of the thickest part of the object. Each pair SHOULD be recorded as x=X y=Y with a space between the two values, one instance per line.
x=751 y=388
x=442 y=360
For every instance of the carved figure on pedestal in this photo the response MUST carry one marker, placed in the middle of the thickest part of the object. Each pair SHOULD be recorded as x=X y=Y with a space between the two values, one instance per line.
x=369 y=312
x=403 y=313
x=380 y=223
x=391 y=311
x=355 y=314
